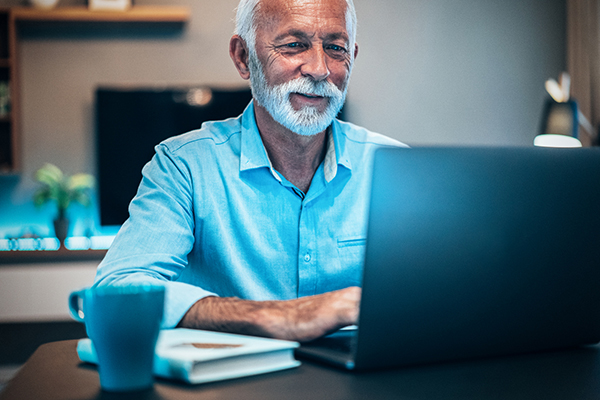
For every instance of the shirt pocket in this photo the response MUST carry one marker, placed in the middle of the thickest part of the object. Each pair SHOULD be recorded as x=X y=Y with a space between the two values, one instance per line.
x=351 y=255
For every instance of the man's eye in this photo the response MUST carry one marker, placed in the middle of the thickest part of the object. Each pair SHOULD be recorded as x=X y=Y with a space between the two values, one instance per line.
x=336 y=48
x=294 y=45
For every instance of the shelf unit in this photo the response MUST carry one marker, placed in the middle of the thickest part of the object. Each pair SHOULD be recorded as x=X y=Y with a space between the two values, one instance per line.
x=8 y=111
x=10 y=18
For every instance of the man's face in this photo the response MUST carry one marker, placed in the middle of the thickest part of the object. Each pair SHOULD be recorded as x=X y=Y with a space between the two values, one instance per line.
x=302 y=63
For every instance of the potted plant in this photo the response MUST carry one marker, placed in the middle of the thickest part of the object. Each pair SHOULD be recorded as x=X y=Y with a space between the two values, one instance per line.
x=63 y=190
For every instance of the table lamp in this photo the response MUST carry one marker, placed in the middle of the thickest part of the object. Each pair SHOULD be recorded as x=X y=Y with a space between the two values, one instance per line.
x=560 y=116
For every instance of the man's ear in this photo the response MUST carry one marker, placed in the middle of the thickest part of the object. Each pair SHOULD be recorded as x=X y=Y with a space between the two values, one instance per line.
x=239 y=54
x=355 y=50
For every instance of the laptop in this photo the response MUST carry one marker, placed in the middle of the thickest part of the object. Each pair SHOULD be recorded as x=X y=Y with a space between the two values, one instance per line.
x=475 y=252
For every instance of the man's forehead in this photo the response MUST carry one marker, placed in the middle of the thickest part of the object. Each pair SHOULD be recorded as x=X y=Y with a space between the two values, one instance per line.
x=275 y=11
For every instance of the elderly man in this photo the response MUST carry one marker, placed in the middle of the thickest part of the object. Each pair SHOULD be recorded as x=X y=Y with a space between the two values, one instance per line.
x=257 y=224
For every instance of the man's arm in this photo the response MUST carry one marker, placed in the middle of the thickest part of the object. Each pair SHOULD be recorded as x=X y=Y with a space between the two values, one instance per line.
x=153 y=245
x=301 y=319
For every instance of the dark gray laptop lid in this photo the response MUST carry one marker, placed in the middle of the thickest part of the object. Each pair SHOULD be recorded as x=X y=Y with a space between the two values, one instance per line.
x=476 y=252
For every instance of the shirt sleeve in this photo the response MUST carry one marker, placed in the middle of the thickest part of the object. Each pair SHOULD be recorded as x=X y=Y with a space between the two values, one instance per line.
x=153 y=244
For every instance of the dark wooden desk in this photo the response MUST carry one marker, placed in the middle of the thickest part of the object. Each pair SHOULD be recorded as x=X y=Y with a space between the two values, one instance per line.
x=54 y=372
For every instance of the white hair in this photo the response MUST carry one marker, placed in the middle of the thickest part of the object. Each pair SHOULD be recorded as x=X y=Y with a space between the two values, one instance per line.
x=245 y=22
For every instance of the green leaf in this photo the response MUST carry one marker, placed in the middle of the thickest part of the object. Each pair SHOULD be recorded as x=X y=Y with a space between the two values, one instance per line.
x=81 y=181
x=41 y=196
x=49 y=174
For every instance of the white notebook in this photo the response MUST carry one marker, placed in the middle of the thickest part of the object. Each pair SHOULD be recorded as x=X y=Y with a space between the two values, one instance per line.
x=197 y=356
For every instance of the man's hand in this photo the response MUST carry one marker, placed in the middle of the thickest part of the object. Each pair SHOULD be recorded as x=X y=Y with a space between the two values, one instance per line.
x=301 y=319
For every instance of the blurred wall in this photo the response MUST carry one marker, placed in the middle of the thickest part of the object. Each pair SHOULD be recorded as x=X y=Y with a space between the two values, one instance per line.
x=460 y=72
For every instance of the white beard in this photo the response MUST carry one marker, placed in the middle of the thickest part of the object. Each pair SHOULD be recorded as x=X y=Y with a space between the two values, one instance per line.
x=307 y=121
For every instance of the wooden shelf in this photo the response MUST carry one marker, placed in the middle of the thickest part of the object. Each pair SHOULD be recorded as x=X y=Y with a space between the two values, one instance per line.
x=83 y=14
x=41 y=256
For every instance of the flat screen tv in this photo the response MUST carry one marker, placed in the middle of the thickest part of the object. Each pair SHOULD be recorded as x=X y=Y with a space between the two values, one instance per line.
x=131 y=121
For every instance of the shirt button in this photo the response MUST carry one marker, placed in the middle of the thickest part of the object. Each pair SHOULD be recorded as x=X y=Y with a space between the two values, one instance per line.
x=307 y=257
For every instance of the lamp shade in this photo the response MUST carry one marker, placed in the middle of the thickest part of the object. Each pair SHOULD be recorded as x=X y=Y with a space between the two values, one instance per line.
x=559 y=125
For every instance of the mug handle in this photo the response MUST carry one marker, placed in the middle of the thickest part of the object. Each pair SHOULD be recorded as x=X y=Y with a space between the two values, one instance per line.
x=74 y=309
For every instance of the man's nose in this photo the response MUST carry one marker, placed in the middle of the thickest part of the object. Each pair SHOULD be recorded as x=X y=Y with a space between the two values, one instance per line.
x=315 y=64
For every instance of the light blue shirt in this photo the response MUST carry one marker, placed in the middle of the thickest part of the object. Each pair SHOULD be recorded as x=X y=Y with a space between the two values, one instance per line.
x=213 y=217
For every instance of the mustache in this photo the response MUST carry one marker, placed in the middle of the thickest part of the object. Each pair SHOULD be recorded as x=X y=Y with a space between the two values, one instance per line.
x=305 y=85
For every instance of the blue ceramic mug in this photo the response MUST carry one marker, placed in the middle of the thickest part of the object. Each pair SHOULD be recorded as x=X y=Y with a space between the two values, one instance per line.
x=123 y=323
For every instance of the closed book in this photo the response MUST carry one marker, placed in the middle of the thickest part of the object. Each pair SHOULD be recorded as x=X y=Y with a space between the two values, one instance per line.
x=197 y=356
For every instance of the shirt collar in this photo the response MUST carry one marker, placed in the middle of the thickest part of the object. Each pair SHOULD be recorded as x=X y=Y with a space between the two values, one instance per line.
x=340 y=154
x=254 y=155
